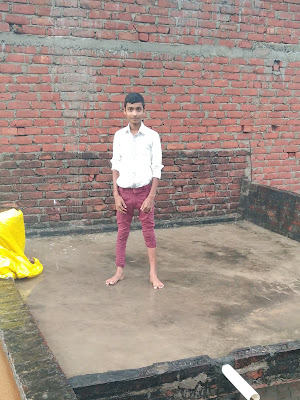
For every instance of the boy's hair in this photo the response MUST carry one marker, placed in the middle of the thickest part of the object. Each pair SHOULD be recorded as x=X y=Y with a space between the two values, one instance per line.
x=132 y=98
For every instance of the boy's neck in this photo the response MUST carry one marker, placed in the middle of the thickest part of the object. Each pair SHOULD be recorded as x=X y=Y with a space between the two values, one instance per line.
x=134 y=128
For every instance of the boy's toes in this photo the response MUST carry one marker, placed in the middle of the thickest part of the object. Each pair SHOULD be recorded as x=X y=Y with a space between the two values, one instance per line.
x=157 y=284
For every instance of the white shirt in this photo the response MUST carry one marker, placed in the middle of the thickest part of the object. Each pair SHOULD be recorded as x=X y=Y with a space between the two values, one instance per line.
x=137 y=158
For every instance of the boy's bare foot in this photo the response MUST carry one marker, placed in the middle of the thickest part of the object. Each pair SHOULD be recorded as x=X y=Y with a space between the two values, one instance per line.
x=118 y=276
x=157 y=284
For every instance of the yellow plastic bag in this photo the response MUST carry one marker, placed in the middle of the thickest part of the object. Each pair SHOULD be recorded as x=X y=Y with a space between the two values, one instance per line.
x=13 y=262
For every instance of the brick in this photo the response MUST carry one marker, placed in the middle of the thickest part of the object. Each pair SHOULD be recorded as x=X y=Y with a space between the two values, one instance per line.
x=129 y=72
x=52 y=131
x=43 y=11
x=10 y=68
x=40 y=59
x=16 y=19
x=41 y=105
x=129 y=36
x=20 y=140
x=37 y=70
x=4 y=27
x=15 y=105
x=18 y=88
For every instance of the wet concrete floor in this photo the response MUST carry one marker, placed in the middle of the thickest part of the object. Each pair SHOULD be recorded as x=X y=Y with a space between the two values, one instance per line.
x=227 y=286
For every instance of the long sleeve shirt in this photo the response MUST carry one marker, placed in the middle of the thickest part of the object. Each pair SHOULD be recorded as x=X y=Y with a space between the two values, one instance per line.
x=137 y=158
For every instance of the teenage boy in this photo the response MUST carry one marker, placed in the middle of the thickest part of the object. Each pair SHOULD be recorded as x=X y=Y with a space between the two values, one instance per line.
x=136 y=169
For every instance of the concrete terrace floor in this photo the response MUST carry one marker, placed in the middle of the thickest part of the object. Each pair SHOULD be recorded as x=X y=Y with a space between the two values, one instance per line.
x=227 y=286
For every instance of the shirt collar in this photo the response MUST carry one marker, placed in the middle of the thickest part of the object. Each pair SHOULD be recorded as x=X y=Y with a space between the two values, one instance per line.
x=142 y=129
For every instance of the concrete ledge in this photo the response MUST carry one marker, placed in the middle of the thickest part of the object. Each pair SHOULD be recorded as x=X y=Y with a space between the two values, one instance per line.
x=199 y=377
x=289 y=52
x=82 y=227
x=36 y=370
x=273 y=209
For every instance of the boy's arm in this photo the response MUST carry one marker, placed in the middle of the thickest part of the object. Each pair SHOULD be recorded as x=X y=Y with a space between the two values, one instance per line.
x=115 y=175
x=119 y=202
x=156 y=166
x=148 y=204
x=156 y=157
x=115 y=165
x=154 y=186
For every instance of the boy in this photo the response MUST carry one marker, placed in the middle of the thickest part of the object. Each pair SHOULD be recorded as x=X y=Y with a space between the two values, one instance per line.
x=136 y=169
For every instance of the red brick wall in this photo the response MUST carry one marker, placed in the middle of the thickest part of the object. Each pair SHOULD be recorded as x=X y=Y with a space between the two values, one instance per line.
x=221 y=83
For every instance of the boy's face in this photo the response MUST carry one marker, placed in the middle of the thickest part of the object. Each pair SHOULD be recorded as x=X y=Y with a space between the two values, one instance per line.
x=134 y=113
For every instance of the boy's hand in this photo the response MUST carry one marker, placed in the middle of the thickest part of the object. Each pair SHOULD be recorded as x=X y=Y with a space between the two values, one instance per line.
x=147 y=205
x=120 y=204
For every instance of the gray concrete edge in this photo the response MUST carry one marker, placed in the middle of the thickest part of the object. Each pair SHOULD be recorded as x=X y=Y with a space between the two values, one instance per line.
x=273 y=51
x=83 y=227
x=155 y=380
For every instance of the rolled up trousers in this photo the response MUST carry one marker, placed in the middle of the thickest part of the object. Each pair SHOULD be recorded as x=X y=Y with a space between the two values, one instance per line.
x=134 y=198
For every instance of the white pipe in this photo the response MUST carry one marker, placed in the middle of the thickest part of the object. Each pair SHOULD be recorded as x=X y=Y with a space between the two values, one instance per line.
x=241 y=385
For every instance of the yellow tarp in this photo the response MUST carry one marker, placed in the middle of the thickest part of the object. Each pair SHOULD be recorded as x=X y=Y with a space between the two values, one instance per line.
x=13 y=262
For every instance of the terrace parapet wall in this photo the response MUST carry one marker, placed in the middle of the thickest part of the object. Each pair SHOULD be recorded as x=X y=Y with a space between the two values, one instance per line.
x=273 y=209
x=198 y=378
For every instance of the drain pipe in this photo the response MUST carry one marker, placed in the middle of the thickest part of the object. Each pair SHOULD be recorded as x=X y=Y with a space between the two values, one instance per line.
x=241 y=385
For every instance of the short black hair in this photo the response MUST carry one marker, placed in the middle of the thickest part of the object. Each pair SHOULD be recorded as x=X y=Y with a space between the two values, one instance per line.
x=132 y=98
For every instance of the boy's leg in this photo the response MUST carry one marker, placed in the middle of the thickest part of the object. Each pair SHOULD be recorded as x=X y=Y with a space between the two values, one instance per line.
x=124 y=223
x=118 y=276
x=157 y=284
x=147 y=222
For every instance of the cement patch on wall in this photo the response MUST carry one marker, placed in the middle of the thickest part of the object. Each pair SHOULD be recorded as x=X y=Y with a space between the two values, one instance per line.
x=272 y=51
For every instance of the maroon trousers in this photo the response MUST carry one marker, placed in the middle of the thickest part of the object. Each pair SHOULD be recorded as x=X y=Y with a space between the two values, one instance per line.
x=133 y=198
